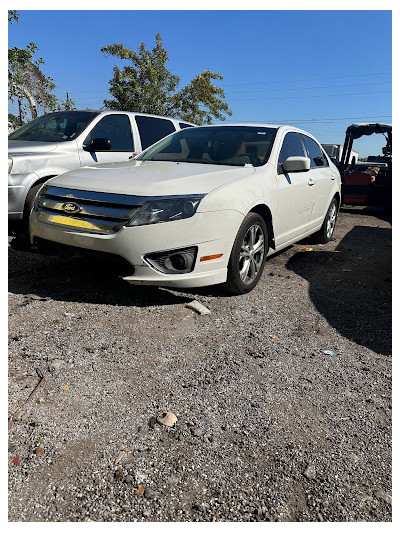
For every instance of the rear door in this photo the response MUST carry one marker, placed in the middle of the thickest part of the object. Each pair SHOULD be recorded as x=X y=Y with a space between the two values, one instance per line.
x=295 y=197
x=321 y=180
x=152 y=129
x=115 y=127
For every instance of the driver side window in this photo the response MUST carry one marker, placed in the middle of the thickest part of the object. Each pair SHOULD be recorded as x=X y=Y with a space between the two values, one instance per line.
x=117 y=128
x=292 y=146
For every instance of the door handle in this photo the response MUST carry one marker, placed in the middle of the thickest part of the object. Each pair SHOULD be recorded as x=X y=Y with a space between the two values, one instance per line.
x=311 y=182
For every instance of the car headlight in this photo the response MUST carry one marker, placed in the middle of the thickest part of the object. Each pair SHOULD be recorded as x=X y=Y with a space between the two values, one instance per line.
x=10 y=164
x=166 y=210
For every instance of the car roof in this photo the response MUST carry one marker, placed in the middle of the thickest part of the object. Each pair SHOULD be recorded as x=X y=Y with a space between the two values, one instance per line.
x=103 y=111
x=264 y=125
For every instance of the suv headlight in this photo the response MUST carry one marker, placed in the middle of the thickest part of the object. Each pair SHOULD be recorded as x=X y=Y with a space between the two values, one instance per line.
x=10 y=164
x=166 y=210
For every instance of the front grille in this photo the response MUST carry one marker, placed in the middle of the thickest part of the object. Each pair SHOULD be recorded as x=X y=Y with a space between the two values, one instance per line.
x=89 y=212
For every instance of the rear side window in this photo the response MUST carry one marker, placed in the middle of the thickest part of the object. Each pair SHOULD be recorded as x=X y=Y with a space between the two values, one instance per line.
x=153 y=129
x=117 y=128
x=314 y=152
x=183 y=125
x=292 y=146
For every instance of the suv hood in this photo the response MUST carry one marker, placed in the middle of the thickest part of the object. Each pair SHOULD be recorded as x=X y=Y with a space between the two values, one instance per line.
x=29 y=147
x=151 y=178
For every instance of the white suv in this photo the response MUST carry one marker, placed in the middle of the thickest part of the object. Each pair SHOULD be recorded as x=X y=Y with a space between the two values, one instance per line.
x=203 y=206
x=65 y=140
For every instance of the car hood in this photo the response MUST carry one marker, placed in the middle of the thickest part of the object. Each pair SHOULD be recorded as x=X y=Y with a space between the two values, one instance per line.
x=30 y=147
x=151 y=178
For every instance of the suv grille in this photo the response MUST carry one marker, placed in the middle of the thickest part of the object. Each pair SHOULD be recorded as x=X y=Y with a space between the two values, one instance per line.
x=87 y=211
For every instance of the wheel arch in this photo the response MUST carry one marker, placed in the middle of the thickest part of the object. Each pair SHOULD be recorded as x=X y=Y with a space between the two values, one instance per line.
x=337 y=196
x=40 y=181
x=264 y=211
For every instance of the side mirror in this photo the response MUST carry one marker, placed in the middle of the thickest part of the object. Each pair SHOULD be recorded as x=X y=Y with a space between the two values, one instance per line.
x=296 y=164
x=99 y=144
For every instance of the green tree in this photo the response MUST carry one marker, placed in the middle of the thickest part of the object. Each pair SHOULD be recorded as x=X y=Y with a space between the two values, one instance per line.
x=13 y=15
x=13 y=121
x=32 y=89
x=66 y=105
x=147 y=86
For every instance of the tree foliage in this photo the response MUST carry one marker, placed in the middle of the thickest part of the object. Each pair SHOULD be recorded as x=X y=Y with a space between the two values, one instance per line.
x=147 y=86
x=27 y=83
x=66 y=105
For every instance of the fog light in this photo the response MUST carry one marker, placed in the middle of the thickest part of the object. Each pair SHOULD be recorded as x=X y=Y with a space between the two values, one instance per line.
x=179 y=261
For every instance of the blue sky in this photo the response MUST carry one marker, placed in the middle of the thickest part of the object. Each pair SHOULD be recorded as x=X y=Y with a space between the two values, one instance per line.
x=318 y=70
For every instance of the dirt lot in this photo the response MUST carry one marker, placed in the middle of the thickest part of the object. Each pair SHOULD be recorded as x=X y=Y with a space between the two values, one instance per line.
x=270 y=428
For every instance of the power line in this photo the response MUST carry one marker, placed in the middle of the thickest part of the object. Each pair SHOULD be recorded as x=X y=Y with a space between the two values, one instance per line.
x=274 y=81
x=308 y=96
x=308 y=79
x=312 y=121
x=262 y=91
x=308 y=88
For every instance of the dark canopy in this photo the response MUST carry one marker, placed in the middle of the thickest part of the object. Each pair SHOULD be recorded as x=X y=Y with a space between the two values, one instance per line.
x=355 y=131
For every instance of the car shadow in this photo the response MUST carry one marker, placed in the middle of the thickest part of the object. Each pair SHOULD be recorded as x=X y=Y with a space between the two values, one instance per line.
x=377 y=212
x=81 y=279
x=351 y=286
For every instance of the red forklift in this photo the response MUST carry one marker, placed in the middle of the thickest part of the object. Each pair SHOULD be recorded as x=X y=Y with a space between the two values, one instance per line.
x=370 y=182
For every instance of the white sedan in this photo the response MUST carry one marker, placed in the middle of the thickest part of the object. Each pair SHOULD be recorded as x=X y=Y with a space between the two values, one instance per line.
x=203 y=206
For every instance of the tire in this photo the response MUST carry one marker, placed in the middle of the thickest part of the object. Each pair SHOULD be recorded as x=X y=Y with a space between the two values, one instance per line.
x=249 y=251
x=325 y=234
x=30 y=198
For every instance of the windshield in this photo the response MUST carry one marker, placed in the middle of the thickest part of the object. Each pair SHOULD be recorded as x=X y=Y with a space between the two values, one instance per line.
x=54 y=127
x=215 y=145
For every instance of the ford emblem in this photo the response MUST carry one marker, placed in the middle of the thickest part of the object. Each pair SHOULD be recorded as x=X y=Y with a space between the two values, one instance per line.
x=71 y=207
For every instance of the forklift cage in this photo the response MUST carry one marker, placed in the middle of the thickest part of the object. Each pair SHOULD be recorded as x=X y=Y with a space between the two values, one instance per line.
x=355 y=131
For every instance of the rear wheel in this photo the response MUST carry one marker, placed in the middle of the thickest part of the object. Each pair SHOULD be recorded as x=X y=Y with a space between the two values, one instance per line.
x=325 y=234
x=247 y=259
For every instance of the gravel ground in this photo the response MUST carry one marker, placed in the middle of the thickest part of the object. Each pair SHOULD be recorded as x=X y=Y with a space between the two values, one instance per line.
x=269 y=427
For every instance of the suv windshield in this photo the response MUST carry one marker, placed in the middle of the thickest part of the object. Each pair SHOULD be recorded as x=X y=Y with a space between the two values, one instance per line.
x=54 y=127
x=215 y=145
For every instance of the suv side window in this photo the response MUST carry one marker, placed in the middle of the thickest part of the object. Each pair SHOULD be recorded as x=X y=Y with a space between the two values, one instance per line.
x=153 y=129
x=117 y=128
x=314 y=152
x=292 y=146
x=183 y=125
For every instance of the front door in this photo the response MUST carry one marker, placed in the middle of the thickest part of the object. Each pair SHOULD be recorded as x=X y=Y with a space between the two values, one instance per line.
x=323 y=181
x=295 y=194
x=116 y=128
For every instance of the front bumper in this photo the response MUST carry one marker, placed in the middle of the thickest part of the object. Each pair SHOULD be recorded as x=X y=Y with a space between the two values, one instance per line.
x=212 y=232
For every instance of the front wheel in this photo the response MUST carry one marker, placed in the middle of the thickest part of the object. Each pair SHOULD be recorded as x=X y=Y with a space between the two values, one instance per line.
x=325 y=234
x=248 y=255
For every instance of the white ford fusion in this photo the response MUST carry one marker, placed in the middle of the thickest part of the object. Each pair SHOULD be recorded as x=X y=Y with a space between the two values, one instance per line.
x=201 y=207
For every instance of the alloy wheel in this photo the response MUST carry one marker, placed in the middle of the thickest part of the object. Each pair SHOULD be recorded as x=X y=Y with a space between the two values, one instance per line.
x=331 y=221
x=251 y=254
